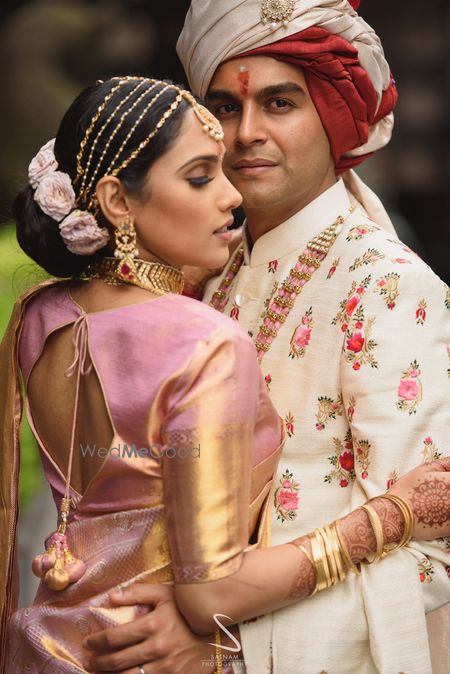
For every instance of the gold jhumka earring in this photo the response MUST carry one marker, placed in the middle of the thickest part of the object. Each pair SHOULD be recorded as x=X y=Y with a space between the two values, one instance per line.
x=126 y=251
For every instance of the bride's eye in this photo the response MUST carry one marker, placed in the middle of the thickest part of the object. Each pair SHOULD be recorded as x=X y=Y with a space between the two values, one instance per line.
x=199 y=181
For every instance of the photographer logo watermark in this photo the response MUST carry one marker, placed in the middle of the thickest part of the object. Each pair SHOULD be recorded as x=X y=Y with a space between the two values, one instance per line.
x=227 y=657
x=125 y=451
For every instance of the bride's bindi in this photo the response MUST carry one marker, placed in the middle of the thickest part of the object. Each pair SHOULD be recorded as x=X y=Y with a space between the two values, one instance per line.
x=243 y=79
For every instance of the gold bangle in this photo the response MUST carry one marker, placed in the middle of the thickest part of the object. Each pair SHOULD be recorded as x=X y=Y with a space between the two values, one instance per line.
x=377 y=530
x=344 y=552
x=329 y=556
x=321 y=581
x=408 y=517
x=337 y=553
x=219 y=663
x=310 y=559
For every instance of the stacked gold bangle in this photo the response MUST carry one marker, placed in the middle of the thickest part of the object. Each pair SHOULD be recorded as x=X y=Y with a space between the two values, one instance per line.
x=327 y=557
x=408 y=517
x=330 y=557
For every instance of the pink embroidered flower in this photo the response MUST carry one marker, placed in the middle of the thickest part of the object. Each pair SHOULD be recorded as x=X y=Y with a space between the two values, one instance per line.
x=356 y=342
x=360 y=290
x=421 y=314
x=44 y=162
x=351 y=304
x=268 y=379
x=272 y=266
x=288 y=499
x=428 y=441
x=356 y=366
x=55 y=195
x=364 y=475
x=343 y=483
x=347 y=461
x=413 y=373
x=391 y=305
x=302 y=336
x=234 y=313
x=381 y=282
x=350 y=412
x=408 y=389
x=286 y=484
x=81 y=233
x=358 y=325
x=344 y=327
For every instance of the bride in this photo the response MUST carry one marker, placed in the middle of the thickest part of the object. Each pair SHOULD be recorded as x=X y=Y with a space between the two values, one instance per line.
x=165 y=392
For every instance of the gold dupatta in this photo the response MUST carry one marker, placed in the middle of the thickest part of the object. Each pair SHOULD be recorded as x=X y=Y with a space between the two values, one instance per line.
x=11 y=406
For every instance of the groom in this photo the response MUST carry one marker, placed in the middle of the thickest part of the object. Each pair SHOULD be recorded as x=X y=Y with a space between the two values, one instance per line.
x=356 y=362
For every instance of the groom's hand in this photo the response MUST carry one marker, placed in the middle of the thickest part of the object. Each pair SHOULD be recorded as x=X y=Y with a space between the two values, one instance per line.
x=160 y=641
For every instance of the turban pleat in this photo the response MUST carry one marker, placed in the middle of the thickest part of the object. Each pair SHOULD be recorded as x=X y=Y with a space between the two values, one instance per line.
x=340 y=88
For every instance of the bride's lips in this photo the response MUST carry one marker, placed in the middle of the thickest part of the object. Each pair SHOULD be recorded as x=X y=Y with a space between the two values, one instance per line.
x=254 y=167
x=224 y=231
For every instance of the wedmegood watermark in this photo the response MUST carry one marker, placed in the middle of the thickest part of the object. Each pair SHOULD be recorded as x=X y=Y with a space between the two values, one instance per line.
x=125 y=451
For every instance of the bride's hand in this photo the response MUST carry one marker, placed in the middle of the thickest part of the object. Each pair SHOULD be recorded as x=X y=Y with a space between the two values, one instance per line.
x=427 y=490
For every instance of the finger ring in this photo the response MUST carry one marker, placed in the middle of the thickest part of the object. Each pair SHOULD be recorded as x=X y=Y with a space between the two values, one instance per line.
x=141 y=670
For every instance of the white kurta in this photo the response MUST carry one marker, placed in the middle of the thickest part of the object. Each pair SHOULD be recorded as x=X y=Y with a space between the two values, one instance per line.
x=359 y=372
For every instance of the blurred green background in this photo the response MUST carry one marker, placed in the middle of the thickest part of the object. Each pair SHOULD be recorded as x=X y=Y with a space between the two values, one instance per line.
x=50 y=50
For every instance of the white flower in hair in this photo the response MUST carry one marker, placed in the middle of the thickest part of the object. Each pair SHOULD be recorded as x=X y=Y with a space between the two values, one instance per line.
x=55 y=195
x=44 y=162
x=81 y=233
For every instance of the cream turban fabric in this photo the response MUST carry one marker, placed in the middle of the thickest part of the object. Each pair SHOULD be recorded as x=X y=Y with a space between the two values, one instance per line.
x=218 y=30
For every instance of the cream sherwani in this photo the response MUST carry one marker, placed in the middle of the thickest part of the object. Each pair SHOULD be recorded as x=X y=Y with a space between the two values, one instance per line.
x=359 y=372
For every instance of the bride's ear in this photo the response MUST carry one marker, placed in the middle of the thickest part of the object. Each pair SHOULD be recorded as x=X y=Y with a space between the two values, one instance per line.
x=112 y=199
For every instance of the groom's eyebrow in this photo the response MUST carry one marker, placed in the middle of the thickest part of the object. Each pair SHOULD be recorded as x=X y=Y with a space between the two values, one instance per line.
x=202 y=157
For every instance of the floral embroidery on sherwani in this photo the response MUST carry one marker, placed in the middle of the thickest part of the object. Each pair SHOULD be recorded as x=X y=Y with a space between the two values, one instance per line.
x=426 y=570
x=301 y=335
x=234 y=313
x=327 y=410
x=351 y=408
x=358 y=343
x=361 y=451
x=429 y=451
x=289 y=421
x=333 y=267
x=272 y=266
x=421 y=313
x=387 y=287
x=409 y=390
x=357 y=233
x=392 y=479
x=371 y=256
x=349 y=304
x=343 y=461
x=286 y=497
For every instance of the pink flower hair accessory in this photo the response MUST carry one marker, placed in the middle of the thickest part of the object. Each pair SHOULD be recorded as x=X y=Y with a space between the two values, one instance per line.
x=81 y=233
x=54 y=195
x=42 y=164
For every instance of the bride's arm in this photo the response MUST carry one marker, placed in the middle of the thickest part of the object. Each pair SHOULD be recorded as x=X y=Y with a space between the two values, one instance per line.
x=276 y=577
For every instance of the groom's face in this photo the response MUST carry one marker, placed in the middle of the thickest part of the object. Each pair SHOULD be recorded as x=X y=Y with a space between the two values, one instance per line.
x=277 y=152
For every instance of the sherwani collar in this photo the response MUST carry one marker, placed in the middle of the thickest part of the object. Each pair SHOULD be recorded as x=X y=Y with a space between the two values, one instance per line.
x=295 y=232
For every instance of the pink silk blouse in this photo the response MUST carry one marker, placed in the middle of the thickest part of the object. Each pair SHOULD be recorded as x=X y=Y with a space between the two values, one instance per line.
x=186 y=482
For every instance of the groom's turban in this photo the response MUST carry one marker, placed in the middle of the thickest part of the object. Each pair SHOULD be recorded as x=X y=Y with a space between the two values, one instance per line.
x=341 y=56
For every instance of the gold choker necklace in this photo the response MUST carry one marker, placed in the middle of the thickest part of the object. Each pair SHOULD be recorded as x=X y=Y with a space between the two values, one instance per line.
x=152 y=276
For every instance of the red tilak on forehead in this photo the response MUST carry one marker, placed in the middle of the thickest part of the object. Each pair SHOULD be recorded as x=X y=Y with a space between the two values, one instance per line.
x=243 y=77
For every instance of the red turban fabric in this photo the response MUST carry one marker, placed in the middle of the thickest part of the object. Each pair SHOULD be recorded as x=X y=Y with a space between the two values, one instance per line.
x=343 y=94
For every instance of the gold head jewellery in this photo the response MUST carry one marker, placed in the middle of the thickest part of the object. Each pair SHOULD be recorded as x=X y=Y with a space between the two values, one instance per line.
x=210 y=125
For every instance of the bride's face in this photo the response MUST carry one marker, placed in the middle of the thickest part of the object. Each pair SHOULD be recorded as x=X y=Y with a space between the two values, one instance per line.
x=184 y=214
